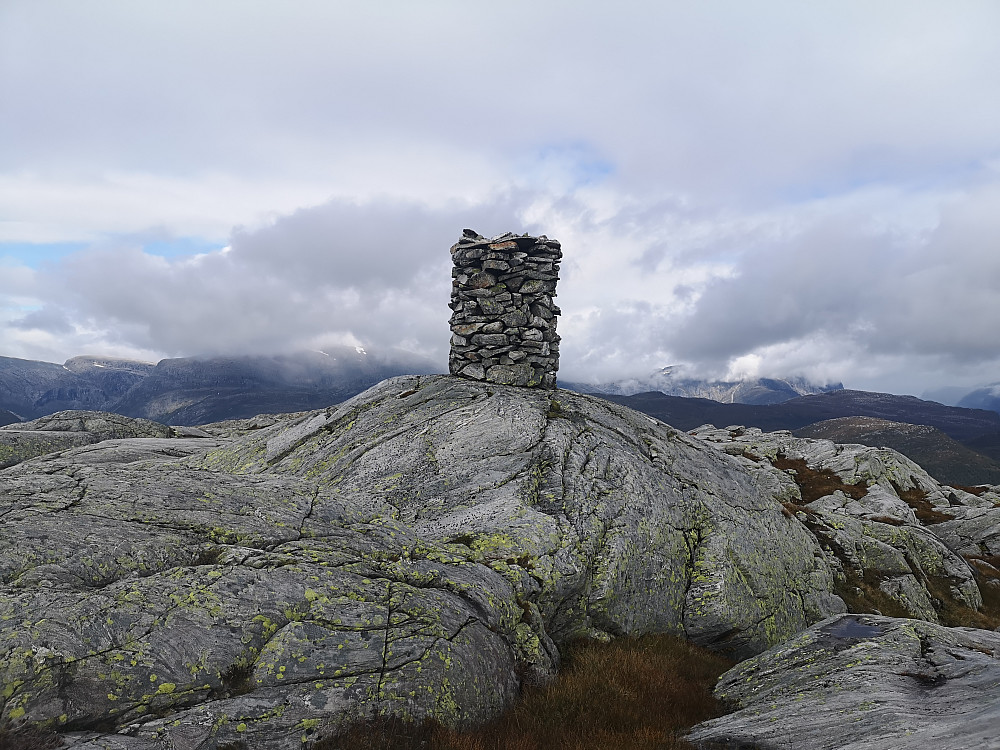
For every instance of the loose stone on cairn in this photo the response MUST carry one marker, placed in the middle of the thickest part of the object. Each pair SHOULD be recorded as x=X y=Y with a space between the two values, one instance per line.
x=503 y=322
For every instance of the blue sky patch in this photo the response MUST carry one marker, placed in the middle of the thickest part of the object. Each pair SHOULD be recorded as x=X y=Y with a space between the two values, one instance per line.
x=33 y=254
x=577 y=163
x=181 y=246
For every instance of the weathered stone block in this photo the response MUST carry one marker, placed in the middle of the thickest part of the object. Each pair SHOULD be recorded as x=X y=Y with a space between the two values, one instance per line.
x=522 y=374
x=465 y=329
x=491 y=307
x=516 y=319
x=489 y=339
x=534 y=286
x=482 y=280
x=476 y=372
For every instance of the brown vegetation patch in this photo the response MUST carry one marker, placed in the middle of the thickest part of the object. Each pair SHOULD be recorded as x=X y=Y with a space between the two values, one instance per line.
x=988 y=566
x=916 y=498
x=817 y=483
x=887 y=519
x=633 y=693
x=987 y=571
x=788 y=510
x=954 y=614
x=28 y=738
x=862 y=594
x=977 y=491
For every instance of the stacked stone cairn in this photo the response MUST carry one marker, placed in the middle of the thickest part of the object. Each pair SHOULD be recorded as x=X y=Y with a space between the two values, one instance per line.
x=503 y=322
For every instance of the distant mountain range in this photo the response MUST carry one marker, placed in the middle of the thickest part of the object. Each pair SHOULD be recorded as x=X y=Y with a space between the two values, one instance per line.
x=687 y=413
x=673 y=381
x=987 y=397
x=976 y=430
x=197 y=390
x=940 y=455
x=956 y=444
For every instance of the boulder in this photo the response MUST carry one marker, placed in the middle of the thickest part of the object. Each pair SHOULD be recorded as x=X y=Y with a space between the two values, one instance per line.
x=864 y=682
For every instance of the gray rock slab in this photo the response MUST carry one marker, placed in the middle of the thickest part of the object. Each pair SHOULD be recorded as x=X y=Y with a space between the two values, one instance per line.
x=102 y=425
x=22 y=445
x=69 y=429
x=419 y=550
x=864 y=682
x=877 y=536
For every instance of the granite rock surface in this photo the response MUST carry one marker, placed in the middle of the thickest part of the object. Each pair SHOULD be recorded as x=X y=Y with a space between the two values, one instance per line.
x=419 y=550
x=423 y=549
x=864 y=682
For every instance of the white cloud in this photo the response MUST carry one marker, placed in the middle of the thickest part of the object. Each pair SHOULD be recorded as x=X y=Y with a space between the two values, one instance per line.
x=777 y=187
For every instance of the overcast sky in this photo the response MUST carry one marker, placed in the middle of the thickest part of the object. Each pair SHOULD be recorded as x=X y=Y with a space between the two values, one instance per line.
x=752 y=188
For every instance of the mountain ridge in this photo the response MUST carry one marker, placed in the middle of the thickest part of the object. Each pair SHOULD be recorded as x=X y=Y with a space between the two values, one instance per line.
x=673 y=381
x=958 y=422
x=940 y=455
x=193 y=390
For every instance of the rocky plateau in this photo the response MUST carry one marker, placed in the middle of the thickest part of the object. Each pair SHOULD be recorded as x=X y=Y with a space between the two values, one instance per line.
x=427 y=547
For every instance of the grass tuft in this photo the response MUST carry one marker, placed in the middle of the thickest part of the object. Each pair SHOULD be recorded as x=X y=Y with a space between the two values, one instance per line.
x=916 y=498
x=862 y=595
x=816 y=483
x=632 y=694
x=237 y=680
x=28 y=738
x=977 y=491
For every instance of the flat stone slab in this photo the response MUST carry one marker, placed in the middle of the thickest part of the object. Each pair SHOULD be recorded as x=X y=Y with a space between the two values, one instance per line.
x=864 y=682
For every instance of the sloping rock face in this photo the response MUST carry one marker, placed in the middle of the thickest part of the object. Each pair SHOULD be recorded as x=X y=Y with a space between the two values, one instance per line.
x=864 y=683
x=894 y=536
x=418 y=551
x=70 y=429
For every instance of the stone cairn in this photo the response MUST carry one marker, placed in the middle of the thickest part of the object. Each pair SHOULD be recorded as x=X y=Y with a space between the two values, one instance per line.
x=503 y=322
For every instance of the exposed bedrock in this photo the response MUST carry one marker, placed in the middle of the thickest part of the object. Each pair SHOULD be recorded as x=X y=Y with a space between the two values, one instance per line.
x=864 y=682
x=420 y=550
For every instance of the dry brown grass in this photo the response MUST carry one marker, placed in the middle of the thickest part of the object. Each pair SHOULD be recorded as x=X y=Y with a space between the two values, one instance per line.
x=916 y=498
x=977 y=491
x=630 y=694
x=987 y=566
x=814 y=484
x=790 y=509
x=955 y=614
x=887 y=520
x=28 y=738
x=863 y=595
